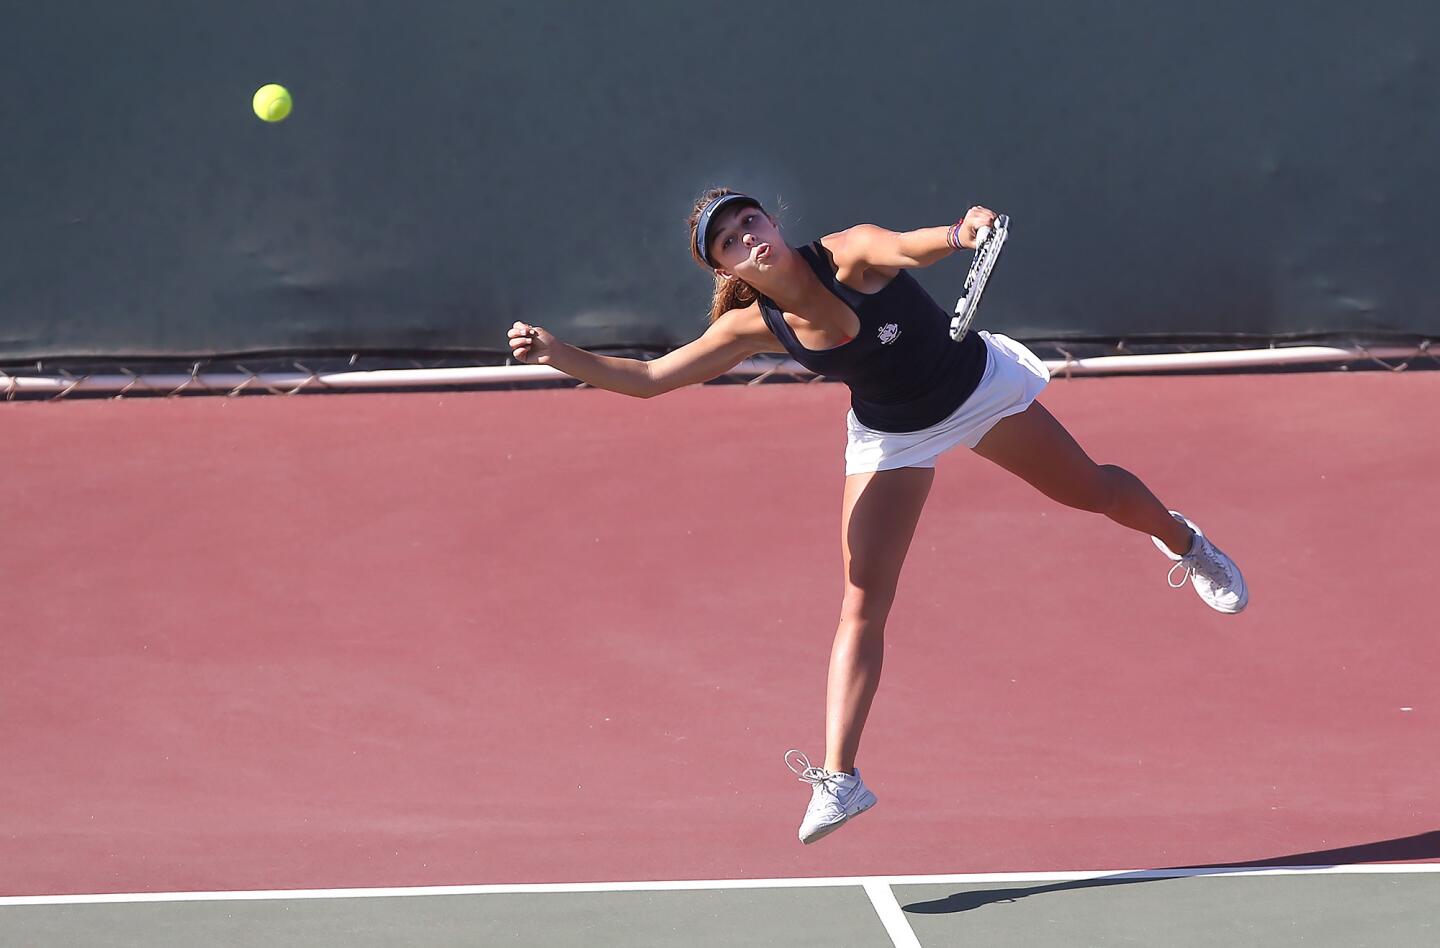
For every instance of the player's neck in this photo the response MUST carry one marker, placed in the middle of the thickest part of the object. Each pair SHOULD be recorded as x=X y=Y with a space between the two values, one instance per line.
x=789 y=285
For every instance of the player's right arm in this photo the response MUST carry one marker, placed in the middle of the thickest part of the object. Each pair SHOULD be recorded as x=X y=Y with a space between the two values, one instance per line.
x=730 y=340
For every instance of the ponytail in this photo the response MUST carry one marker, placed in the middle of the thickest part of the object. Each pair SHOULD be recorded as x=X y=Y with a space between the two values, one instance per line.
x=730 y=294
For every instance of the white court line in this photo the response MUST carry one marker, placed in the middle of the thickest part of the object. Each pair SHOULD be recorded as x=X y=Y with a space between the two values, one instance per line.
x=979 y=878
x=891 y=915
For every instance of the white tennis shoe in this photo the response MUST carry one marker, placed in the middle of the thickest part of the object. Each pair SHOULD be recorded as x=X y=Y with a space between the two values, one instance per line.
x=1215 y=576
x=835 y=799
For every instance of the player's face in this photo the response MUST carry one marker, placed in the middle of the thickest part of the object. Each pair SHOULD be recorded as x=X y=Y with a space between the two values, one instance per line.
x=746 y=242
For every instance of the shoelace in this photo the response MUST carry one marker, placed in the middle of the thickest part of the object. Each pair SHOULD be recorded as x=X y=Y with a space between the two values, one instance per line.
x=807 y=772
x=1185 y=571
x=1201 y=560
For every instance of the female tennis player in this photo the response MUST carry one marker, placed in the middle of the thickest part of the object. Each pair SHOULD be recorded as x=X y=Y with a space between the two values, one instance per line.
x=845 y=308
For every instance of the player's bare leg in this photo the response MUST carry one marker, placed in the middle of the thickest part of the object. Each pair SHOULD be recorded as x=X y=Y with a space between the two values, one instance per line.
x=1033 y=445
x=878 y=521
x=1036 y=447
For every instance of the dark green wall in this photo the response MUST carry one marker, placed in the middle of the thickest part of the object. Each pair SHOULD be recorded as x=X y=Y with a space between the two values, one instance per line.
x=1172 y=169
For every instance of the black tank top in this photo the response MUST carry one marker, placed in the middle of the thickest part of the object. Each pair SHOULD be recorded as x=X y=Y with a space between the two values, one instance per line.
x=904 y=371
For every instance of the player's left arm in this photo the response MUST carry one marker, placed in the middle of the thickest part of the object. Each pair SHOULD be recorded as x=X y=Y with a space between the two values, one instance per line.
x=873 y=246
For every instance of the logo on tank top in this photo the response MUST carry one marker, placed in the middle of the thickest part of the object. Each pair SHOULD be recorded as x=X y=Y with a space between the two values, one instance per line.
x=889 y=333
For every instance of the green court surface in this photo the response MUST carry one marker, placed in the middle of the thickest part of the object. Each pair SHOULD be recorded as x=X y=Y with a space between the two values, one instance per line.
x=1354 y=907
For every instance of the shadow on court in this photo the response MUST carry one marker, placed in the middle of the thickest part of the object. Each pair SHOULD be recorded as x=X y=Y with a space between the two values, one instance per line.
x=1418 y=848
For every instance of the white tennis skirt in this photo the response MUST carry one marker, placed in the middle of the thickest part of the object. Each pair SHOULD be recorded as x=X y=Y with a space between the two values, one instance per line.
x=1013 y=377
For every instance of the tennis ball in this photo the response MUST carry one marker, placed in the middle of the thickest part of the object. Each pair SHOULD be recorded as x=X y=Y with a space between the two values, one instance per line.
x=272 y=103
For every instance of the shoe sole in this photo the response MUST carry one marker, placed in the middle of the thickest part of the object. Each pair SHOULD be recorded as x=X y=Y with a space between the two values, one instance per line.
x=827 y=830
x=1239 y=607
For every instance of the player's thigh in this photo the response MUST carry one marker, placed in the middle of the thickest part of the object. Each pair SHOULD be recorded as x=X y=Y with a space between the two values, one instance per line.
x=881 y=510
x=1035 y=446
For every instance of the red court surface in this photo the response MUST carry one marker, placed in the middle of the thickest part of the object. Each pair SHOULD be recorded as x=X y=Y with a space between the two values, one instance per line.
x=564 y=636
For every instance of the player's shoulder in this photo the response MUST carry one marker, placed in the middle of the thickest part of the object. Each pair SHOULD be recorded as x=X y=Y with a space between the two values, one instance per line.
x=851 y=246
x=746 y=323
x=858 y=255
x=742 y=320
x=855 y=236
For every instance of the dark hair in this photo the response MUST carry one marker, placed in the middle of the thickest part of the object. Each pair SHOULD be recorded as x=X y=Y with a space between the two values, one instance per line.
x=730 y=292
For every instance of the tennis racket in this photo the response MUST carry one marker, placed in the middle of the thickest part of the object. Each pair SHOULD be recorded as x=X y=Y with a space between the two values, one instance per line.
x=988 y=241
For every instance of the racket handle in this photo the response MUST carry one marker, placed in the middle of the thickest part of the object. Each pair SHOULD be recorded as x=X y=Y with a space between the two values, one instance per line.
x=982 y=235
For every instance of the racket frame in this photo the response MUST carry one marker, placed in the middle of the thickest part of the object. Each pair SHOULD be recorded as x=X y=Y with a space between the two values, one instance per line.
x=988 y=243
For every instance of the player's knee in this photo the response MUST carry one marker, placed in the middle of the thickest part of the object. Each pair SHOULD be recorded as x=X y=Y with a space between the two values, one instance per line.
x=865 y=608
x=1109 y=487
x=1097 y=491
x=860 y=635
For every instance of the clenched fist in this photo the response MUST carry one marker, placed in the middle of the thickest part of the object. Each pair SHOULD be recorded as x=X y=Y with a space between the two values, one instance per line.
x=975 y=218
x=530 y=344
